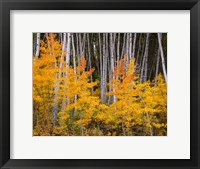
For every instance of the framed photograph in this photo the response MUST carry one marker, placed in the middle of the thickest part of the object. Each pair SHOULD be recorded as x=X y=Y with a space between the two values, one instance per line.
x=99 y=84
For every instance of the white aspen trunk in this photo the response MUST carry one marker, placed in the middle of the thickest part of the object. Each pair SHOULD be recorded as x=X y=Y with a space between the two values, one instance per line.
x=114 y=37
x=114 y=50
x=60 y=35
x=157 y=68
x=68 y=52
x=112 y=64
x=127 y=45
x=64 y=44
x=106 y=62
x=127 y=52
x=142 y=69
x=118 y=55
x=67 y=67
x=95 y=54
x=89 y=51
x=80 y=45
x=104 y=79
x=134 y=43
x=37 y=45
x=89 y=56
x=101 y=69
x=130 y=46
x=146 y=57
x=118 y=46
x=111 y=52
x=142 y=64
x=74 y=62
x=77 y=49
x=55 y=103
x=74 y=56
x=110 y=80
x=162 y=56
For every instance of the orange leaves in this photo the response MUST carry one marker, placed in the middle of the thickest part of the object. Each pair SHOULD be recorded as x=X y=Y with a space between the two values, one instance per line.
x=82 y=66
x=91 y=71
x=120 y=70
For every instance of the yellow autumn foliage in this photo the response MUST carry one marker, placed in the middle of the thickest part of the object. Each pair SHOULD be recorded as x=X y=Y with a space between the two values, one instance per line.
x=138 y=108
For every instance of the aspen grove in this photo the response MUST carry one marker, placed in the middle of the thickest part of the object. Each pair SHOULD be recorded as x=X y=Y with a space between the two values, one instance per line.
x=99 y=84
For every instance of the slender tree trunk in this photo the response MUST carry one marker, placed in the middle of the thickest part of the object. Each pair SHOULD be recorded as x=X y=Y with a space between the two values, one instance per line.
x=67 y=68
x=130 y=46
x=157 y=68
x=118 y=49
x=109 y=71
x=34 y=43
x=110 y=78
x=101 y=69
x=162 y=56
x=82 y=50
x=112 y=65
x=104 y=78
x=89 y=52
x=68 y=52
x=37 y=45
x=60 y=36
x=107 y=62
x=138 y=51
x=55 y=102
x=74 y=53
x=80 y=45
x=134 y=44
x=89 y=56
x=114 y=38
x=77 y=49
x=146 y=57
x=127 y=46
x=118 y=46
x=74 y=62
x=142 y=70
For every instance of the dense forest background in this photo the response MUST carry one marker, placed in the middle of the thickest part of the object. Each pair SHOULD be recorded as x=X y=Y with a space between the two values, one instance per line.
x=99 y=84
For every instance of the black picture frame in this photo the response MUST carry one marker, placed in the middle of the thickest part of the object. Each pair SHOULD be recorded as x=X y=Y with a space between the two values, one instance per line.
x=7 y=5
